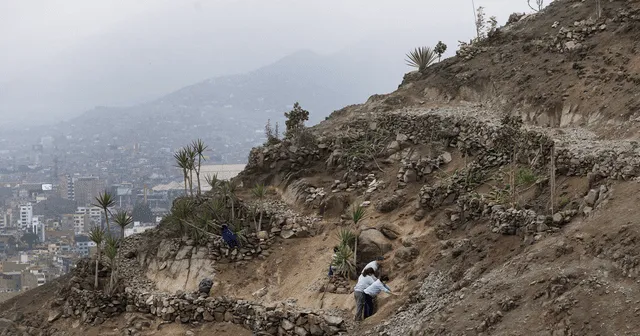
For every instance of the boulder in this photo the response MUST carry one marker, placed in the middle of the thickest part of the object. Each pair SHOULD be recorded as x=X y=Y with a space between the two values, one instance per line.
x=410 y=176
x=205 y=286
x=446 y=157
x=390 y=230
x=388 y=204
x=286 y=325
x=406 y=254
x=286 y=234
x=263 y=235
x=592 y=197
x=371 y=244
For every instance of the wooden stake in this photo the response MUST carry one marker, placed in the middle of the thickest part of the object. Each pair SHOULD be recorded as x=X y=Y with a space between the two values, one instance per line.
x=552 y=180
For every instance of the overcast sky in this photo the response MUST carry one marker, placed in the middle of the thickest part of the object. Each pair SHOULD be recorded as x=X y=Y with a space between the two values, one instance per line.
x=49 y=46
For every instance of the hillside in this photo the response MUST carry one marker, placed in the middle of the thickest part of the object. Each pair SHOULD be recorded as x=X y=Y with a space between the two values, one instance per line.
x=230 y=112
x=562 y=67
x=490 y=224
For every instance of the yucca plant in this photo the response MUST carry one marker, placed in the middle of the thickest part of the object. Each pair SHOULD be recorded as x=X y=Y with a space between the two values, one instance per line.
x=213 y=181
x=241 y=233
x=346 y=237
x=229 y=191
x=181 y=212
x=343 y=261
x=421 y=58
x=199 y=148
x=111 y=251
x=122 y=218
x=97 y=235
x=357 y=214
x=259 y=191
x=182 y=161
x=191 y=165
x=217 y=208
x=105 y=201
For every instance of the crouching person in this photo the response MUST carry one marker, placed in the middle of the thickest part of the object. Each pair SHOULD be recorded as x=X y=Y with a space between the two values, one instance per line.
x=365 y=280
x=371 y=293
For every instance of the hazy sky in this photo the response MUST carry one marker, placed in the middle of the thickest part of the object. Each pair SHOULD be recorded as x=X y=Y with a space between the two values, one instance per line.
x=50 y=48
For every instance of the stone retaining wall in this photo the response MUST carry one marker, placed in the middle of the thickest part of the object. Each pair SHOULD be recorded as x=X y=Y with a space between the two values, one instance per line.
x=94 y=307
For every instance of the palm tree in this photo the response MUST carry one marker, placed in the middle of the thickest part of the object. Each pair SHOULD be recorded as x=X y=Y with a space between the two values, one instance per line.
x=182 y=161
x=97 y=236
x=199 y=148
x=105 y=201
x=191 y=165
x=229 y=191
x=421 y=58
x=111 y=250
x=259 y=192
x=123 y=219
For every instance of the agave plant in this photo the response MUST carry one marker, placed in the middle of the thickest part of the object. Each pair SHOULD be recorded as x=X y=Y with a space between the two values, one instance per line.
x=343 y=261
x=421 y=58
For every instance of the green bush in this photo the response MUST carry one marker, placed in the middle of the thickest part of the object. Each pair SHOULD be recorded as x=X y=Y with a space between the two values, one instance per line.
x=343 y=261
x=525 y=176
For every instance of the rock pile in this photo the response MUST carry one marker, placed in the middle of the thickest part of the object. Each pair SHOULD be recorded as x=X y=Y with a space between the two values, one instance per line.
x=287 y=223
x=337 y=285
x=93 y=307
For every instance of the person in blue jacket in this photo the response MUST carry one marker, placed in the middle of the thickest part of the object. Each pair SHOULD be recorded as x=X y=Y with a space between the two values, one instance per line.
x=229 y=237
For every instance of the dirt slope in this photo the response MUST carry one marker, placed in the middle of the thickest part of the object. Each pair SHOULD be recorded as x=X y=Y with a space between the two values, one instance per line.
x=562 y=66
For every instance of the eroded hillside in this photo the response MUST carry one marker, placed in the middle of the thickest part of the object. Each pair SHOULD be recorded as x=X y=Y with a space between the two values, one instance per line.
x=491 y=225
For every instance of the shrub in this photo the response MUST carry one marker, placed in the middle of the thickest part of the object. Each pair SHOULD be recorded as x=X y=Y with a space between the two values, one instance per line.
x=271 y=133
x=440 y=49
x=343 y=261
x=525 y=176
x=421 y=58
x=295 y=120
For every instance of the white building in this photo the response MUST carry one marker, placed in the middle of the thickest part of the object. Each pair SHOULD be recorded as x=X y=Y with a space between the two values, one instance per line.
x=138 y=228
x=26 y=216
x=37 y=227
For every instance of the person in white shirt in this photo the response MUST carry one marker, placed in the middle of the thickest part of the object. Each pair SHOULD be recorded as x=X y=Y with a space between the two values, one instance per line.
x=376 y=265
x=365 y=280
x=370 y=294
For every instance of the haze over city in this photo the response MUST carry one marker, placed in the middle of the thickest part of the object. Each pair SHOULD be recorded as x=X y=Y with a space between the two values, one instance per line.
x=62 y=57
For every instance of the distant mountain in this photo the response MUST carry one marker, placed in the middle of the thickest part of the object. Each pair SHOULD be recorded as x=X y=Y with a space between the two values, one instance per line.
x=230 y=112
